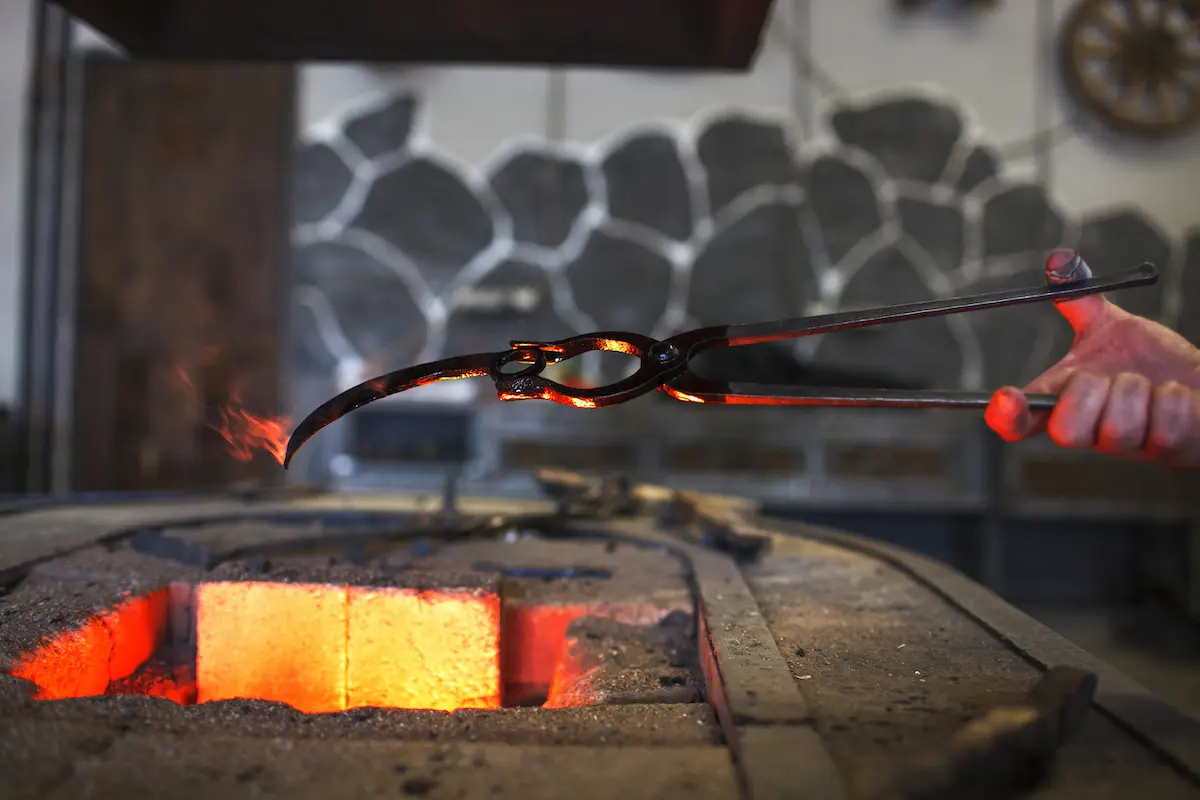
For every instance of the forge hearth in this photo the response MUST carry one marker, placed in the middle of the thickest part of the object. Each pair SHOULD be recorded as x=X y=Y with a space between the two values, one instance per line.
x=321 y=634
x=663 y=646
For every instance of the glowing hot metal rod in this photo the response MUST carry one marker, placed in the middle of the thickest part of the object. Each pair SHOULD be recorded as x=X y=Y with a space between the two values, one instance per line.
x=517 y=372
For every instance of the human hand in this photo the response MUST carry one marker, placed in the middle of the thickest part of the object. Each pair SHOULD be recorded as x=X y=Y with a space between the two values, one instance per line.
x=1128 y=386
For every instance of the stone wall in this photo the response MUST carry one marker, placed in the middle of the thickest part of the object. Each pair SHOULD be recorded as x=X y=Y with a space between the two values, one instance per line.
x=401 y=256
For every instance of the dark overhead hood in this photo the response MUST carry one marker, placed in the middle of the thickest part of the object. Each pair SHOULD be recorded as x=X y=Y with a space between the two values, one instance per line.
x=679 y=34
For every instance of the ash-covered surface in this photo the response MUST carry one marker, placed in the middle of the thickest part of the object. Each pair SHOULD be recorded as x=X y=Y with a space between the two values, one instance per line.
x=891 y=671
x=616 y=663
x=66 y=592
x=330 y=569
x=543 y=570
x=646 y=724
x=52 y=761
x=640 y=584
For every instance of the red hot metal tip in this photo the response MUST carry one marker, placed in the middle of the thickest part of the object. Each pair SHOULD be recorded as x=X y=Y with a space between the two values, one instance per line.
x=1066 y=266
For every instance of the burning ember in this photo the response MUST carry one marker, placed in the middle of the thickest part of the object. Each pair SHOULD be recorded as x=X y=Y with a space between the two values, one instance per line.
x=245 y=434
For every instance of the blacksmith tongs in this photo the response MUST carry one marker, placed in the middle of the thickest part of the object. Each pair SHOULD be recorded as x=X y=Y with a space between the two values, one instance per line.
x=516 y=372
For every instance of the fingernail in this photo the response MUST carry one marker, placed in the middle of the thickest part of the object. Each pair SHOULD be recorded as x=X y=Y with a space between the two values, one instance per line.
x=1066 y=266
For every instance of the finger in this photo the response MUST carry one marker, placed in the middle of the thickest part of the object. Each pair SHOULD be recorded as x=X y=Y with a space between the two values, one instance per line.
x=1084 y=313
x=1174 y=430
x=1075 y=421
x=1125 y=421
x=1008 y=413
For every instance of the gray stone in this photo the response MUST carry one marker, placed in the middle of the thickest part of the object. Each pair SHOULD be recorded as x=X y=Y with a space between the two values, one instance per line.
x=319 y=182
x=844 y=203
x=619 y=284
x=758 y=269
x=911 y=137
x=647 y=184
x=1189 y=313
x=384 y=129
x=1019 y=220
x=981 y=165
x=544 y=194
x=739 y=154
x=938 y=228
x=471 y=330
x=916 y=353
x=431 y=215
x=1014 y=339
x=373 y=306
x=1122 y=239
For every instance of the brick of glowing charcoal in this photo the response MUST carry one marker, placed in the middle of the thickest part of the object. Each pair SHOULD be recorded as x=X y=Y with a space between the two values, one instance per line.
x=431 y=648
x=277 y=641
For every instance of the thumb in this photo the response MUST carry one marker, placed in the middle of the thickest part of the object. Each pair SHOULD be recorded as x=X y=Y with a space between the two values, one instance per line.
x=1083 y=313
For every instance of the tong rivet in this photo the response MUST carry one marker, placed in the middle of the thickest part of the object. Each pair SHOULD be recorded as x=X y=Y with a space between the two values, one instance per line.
x=663 y=353
x=1066 y=266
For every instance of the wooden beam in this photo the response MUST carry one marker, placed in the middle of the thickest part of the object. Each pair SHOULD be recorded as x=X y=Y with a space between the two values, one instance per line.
x=670 y=34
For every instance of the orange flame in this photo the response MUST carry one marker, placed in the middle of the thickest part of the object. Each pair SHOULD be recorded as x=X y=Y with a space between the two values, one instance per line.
x=246 y=434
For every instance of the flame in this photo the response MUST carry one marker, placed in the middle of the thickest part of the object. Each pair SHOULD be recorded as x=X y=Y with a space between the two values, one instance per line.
x=246 y=434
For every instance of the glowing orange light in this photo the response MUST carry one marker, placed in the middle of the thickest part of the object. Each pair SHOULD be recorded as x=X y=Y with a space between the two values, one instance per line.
x=74 y=663
x=81 y=661
x=572 y=684
x=136 y=628
x=246 y=434
x=331 y=647
x=272 y=641
x=534 y=639
x=323 y=648
x=437 y=650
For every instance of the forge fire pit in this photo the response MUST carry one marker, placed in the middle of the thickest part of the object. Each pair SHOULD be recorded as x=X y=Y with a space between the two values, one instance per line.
x=618 y=642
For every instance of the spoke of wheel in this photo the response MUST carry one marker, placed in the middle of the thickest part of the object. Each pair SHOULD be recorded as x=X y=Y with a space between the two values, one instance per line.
x=1096 y=48
x=1139 y=14
x=1130 y=101
x=1165 y=93
x=1107 y=17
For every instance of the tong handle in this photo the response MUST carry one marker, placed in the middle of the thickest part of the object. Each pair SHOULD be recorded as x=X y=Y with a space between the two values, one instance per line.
x=755 y=333
x=695 y=389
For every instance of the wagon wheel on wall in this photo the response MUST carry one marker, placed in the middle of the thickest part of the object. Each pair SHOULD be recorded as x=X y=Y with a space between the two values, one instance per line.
x=1135 y=64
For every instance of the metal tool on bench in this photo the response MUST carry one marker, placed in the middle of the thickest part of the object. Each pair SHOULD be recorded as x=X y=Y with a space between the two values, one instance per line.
x=517 y=372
